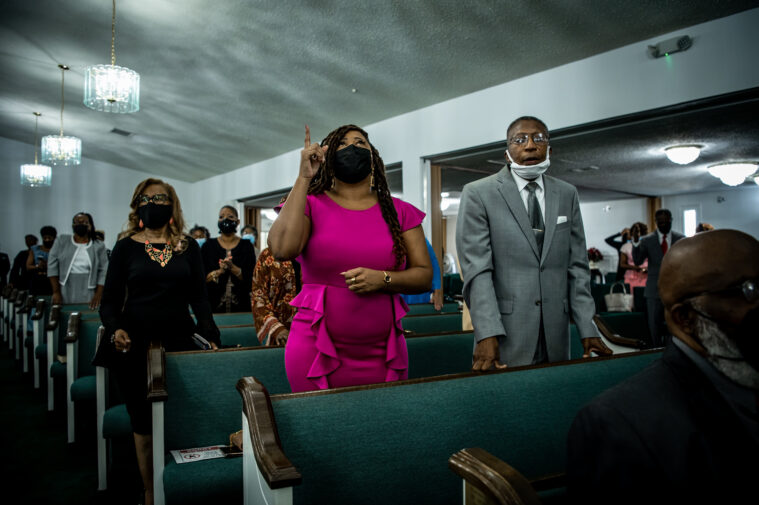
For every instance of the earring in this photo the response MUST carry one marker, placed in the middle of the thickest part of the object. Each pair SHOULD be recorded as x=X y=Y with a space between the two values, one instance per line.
x=171 y=221
x=372 y=187
x=142 y=225
x=333 y=184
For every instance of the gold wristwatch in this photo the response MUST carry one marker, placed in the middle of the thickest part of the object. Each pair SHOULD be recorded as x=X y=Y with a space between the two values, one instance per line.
x=386 y=279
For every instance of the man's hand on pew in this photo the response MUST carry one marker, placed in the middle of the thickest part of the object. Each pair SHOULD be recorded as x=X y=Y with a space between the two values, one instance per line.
x=486 y=354
x=595 y=344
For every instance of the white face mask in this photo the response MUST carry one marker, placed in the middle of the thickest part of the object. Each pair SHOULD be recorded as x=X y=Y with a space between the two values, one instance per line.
x=725 y=355
x=530 y=172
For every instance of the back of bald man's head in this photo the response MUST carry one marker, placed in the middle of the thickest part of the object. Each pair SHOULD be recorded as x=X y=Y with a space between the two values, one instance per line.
x=708 y=261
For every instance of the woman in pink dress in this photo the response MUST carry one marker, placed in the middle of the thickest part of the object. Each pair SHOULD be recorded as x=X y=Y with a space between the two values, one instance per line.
x=635 y=275
x=358 y=248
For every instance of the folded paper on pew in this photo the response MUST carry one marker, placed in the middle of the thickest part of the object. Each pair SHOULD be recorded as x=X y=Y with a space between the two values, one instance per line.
x=199 y=453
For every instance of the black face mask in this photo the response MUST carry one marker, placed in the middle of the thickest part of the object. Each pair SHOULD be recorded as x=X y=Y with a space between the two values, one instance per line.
x=81 y=229
x=48 y=243
x=353 y=164
x=155 y=216
x=747 y=338
x=227 y=226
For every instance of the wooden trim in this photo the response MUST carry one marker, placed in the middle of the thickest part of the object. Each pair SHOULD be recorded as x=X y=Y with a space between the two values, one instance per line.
x=39 y=309
x=438 y=378
x=436 y=215
x=72 y=331
x=653 y=203
x=54 y=319
x=497 y=480
x=156 y=357
x=433 y=314
x=278 y=471
x=411 y=334
x=251 y=325
x=615 y=338
x=549 y=482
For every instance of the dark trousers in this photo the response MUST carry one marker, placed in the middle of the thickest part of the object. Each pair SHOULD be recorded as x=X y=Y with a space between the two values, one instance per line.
x=656 y=325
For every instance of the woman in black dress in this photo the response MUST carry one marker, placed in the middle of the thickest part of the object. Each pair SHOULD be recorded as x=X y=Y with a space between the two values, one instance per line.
x=154 y=276
x=229 y=263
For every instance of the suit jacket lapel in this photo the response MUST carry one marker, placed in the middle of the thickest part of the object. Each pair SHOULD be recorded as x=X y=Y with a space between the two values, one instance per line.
x=551 y=214
x=510 y=193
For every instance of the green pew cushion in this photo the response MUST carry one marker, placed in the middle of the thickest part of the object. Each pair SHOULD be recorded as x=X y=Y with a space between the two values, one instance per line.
x=439 y=355
x=432 y=323
x=116 y=422
x=398 y=436
x=428 y=308
x=83 y=389
x=233 y=318
x=40 y=352
x=208 y=481
x=242 y=336
x=58 y=370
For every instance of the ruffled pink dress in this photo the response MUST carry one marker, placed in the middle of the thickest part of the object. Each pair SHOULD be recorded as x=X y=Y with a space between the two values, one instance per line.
x=340 y=338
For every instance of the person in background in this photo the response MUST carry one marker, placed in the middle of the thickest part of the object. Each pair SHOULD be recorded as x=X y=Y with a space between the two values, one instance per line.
x=617 y=241
x=155 y=275
x=634 y=275
x=77 y=265
x=685 y=429
x=36 y=263
x=275 y=285
x=250 y=233
x=200 y=234
x=359 y=248
x=19 y=277
x=228 y=261
x=435 y=295
x=652 y=248
x=704 y=227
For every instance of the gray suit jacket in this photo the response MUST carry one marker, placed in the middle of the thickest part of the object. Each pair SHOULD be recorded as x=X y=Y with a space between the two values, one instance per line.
x=649 y=248
x=62 y=254
x=506 y=283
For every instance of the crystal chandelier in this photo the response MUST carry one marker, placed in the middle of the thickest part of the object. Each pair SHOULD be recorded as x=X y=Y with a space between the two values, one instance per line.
x=58 y=149
x=109 y=88
x=35 y=175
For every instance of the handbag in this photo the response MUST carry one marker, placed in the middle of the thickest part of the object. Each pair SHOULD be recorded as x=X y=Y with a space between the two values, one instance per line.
x=619 y=302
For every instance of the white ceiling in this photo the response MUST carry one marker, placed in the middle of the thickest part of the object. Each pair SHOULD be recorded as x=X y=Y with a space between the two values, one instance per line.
x=229 y=83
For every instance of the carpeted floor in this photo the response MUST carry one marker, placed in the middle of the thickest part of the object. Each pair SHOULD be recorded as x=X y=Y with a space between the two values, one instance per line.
x=38 y=462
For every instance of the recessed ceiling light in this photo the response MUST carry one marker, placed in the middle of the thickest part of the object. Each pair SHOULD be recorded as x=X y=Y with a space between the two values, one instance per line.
x=683 y=154
x=733 y=173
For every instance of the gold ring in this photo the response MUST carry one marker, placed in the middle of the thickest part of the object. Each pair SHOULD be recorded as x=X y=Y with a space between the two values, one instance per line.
x=353 y=280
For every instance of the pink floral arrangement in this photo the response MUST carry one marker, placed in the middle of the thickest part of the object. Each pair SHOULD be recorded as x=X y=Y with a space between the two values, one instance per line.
x=594 y=255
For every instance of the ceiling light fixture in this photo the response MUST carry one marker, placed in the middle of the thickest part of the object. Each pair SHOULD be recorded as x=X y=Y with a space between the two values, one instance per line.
x=35 y=175
x=683 y=154
x=108 y=88
x=58 y=149
x=733 y=173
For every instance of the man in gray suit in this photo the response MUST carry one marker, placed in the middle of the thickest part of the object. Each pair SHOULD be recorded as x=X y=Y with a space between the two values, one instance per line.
x=653 y=247
x=525 y=274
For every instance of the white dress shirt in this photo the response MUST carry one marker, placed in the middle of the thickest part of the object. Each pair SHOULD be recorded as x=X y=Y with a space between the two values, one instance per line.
x=540 y=192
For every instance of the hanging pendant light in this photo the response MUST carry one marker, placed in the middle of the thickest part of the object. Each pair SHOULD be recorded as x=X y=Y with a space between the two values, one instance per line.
x=58 y=149
x=35 y=175
x=108 y=88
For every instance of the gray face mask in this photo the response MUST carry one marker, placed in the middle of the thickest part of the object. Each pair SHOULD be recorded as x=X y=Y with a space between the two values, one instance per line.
x=725 y=355
x=530 y=172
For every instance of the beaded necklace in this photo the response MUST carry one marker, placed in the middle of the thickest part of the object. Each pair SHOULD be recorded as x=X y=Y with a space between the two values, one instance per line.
x=160 y=256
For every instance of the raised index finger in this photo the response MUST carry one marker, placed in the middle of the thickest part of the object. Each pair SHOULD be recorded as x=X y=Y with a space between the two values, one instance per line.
x=308 y=137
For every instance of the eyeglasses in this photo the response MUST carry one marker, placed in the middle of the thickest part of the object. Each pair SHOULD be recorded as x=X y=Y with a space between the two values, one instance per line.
x=521 y=139
x=160 y=199
x=747 y=289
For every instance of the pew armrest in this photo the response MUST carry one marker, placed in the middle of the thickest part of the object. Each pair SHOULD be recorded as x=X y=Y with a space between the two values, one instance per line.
x=54 y=318
x=492 y=479
x=72 y=331
x=616 y=338
x=156 y=357
x=39 y=310
x=276 y=469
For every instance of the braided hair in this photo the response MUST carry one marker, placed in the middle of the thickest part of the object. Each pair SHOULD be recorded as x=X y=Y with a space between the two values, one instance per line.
x=325 y=177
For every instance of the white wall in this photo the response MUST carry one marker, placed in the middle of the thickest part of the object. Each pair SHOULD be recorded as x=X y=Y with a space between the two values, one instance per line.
x=617 y=82
x=102 y=189
x=734 y=208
